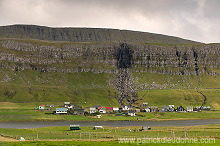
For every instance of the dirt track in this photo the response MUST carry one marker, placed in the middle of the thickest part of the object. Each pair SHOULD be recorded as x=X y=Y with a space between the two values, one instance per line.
x=6 y=139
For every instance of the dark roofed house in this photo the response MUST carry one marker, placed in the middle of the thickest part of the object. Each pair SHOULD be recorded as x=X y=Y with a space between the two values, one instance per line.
x=180 y=109
x=131 y=112
x=153 y=109
x=96 y=106
x=78 y=111
x=50 y=105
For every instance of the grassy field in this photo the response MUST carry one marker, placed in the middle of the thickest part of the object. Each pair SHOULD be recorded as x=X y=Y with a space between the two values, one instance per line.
x=25 y=112
x=89 y=143
x=88 y=89
x=193 y=135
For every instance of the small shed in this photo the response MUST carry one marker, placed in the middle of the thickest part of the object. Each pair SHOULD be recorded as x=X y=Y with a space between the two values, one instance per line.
x=22 y=139
x=75 y=127
x=144 y=128
x=97 y=127
x=99 y=116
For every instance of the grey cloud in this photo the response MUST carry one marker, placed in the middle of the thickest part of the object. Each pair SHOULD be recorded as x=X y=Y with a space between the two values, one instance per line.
x=191 y=19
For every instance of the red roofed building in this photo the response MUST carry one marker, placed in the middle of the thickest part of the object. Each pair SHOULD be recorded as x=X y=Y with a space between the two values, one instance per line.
x=108 y=109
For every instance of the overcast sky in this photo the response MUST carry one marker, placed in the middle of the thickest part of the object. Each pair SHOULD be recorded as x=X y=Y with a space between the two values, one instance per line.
x=197 y=20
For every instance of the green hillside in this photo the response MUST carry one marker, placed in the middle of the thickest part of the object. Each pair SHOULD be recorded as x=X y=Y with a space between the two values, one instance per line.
x=106 y=72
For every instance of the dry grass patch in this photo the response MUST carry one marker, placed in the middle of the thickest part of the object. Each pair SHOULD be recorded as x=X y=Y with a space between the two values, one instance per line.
x=2 y=139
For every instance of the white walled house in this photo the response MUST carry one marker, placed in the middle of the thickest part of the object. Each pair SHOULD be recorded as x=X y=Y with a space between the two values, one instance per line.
x=102 y=110
x=92 y=110
x=131 y=112
x=61 y=110
x=147 y=110
x=189 y=108
x=125 y=108
x=115 y=109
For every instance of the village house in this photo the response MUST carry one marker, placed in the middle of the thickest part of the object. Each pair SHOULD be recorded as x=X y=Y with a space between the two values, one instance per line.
x=131 y=112
x=61 y=110
x=67 y=104
x=180 y=109
x=154 y=109
x=105 y=109
x=147 y=110
x=109 y=109
x=137 y=110
x=41 y=107
x=78 y=111
x=97 y=106
x=92 y=110
x=102 y=110
x=144 y=104
x=115 y=109
x=189 y=108
x=50 y=105
x=200 y=108
x=126 y=107
x=167 y=108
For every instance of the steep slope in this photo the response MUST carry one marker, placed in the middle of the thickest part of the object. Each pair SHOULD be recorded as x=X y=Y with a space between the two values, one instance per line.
x=108 y=72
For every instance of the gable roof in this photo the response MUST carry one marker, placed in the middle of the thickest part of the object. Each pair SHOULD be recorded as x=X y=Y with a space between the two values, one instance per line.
x=107 y=108
x=62 y=109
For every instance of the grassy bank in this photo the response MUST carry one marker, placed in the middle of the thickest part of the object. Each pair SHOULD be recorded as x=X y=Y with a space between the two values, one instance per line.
x=89 y=143
x=112 y=136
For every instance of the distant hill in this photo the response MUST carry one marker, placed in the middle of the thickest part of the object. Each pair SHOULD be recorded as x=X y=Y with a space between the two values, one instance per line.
x=108 y=67
x=87 y=35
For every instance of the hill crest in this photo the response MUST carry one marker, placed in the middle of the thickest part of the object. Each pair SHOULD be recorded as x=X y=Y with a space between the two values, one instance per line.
x=71 y=34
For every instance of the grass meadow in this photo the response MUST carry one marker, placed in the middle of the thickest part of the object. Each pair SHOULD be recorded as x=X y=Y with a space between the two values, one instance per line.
x=61 y=135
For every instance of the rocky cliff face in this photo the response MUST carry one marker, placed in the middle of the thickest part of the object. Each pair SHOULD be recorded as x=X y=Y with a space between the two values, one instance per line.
x=87 y=35
x=98 y=52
